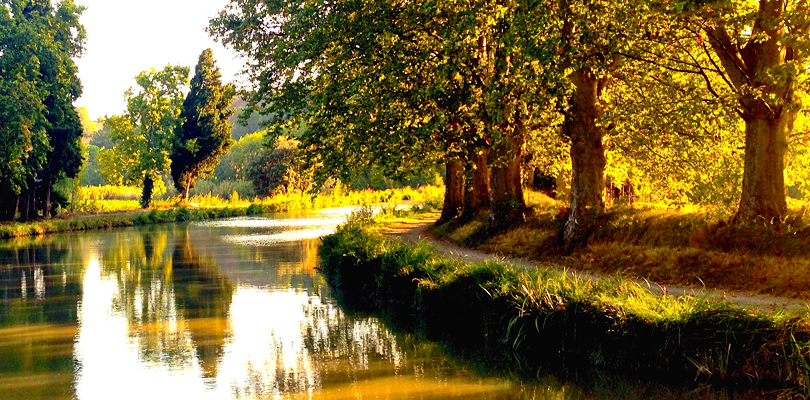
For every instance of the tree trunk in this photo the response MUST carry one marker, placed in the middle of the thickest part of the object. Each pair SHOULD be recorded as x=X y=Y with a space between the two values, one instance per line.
x=453 y=190
x=32 y=203
x=25 y=206
x=587 y=156
x=768 y=105
x=763 y=197
x=146 y=194
x=16 y=209
x=507 y=206
x=186 y=189
x=48 y=187
x=477 y=197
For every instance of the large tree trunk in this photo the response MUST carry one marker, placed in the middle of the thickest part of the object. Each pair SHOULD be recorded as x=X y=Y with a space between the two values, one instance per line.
x=507 y=206
x=768 y=106
x=763 y=189
x=453 y=190
x=587 y=155
x=476 y=199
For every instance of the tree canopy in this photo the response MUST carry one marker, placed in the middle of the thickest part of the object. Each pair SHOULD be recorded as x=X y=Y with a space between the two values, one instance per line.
x=144 y=134
x=203 y=134
x=39 y=128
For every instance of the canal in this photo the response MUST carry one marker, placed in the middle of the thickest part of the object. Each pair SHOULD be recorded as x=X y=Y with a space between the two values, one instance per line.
x=223 y=309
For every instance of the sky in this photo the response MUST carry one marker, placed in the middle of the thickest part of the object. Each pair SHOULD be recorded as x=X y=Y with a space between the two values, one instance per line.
x=125 y=37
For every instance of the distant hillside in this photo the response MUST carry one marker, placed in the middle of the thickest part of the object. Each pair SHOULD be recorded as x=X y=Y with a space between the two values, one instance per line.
x=238 y=131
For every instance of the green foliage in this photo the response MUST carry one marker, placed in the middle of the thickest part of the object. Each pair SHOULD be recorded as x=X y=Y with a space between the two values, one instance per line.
x=234 y=164
x=223 y=189
x=91 y=172
x=144 y=135
x=40 y=130
x=101 y=137
x=204 y=134
x=545 y=318
x=280 y=170
x=249 y=125
x=89 y=127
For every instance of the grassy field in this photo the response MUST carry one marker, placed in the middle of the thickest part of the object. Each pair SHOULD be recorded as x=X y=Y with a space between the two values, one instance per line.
x=544 y=319
x=689 y=246
x=205 y=207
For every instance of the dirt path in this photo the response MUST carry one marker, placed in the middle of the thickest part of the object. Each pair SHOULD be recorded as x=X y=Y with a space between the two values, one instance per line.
x=416 y=231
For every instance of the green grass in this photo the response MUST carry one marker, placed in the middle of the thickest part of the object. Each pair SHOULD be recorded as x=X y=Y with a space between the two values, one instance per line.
x=8 y=231
x=206 y=207
x=688 y=246
x=545 y=319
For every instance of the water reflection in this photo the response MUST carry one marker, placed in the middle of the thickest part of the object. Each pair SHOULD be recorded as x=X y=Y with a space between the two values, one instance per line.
x=215 y=310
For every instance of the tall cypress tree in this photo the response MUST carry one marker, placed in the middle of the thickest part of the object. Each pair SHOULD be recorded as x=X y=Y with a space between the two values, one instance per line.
x=205 y=134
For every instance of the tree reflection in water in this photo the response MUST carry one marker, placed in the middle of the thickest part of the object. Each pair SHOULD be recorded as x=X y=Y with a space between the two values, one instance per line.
x=40 y=288
x=200 y=310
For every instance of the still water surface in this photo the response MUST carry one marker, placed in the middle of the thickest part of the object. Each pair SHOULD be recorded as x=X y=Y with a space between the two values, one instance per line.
x=230 y=309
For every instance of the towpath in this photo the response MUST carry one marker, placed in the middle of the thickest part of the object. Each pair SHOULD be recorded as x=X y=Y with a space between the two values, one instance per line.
x=412 y=232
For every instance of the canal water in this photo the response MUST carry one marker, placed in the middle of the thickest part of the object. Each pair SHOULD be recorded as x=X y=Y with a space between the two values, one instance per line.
x=224 y=309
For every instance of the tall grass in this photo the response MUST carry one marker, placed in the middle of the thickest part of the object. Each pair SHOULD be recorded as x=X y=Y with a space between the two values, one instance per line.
x=109 y=192
x=688 y=245
x=546 y=319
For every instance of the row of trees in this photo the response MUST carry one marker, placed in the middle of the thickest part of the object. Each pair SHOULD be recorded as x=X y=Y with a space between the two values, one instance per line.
x=655 y=92
x=40 y=131
x=164 y=129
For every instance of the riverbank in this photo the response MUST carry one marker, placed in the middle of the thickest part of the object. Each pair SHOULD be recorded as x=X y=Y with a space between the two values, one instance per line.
x=546 y=319
x=689 y=247
x=180 y=212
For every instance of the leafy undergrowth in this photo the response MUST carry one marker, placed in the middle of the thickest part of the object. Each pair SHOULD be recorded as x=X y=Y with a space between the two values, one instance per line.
x=693 y=247
x=542 y=318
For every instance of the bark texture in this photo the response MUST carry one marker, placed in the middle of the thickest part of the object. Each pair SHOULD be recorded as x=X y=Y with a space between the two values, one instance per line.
x=587 y=155
x=763 y=197
x=453 y=190
x=507 y=206
x=768 y=106
x=476 y=199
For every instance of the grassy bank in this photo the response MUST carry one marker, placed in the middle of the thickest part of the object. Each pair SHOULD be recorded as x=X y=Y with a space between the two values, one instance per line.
x=690 y=246
x=208 y=207
x=545 y=319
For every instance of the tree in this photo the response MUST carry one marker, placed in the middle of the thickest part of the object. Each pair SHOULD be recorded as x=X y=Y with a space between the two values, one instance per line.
x=63 y=40
x=234 y=164
x=37 y=46
x=278 y=170
x=762 y=51
x=144 y=135
x=400 y=85
x=205 y=134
